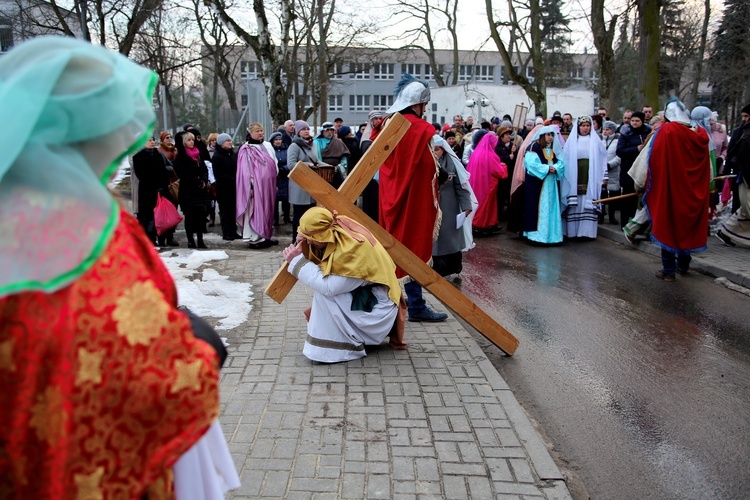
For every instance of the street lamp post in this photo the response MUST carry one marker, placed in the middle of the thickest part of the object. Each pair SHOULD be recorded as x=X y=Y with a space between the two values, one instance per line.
x=479 y=103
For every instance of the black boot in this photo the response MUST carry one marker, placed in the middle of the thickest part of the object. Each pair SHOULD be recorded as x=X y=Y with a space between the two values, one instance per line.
x=200 y=241
x=191 y=241
x=161 y=240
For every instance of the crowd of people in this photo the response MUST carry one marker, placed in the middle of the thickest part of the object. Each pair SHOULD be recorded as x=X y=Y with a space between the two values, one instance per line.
x=547 y=181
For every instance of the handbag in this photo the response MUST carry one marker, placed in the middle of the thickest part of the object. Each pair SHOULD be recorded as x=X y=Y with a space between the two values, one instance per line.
x=174 y=190
x=166 y=215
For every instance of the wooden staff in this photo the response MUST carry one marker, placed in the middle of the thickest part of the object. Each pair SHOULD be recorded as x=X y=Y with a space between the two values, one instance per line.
x=613 y=198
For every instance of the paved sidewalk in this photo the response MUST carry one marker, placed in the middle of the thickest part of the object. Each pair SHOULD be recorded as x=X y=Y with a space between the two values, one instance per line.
x=719 y=261
x=435 y=420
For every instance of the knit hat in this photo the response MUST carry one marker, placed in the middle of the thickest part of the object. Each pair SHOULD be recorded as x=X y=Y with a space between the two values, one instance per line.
x=164 y=135
x=449 y=133
x=556 y=118
x=530 y=123
x=344 y=130
x=299 y=125
x=223 y=138
x=610 y=125
x=638 y=114
x=746 y=109
x=186 y=126
x=274 y=136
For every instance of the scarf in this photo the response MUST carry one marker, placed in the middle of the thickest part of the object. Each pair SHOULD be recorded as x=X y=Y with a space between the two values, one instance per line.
x=351 y=250
x=193 y=153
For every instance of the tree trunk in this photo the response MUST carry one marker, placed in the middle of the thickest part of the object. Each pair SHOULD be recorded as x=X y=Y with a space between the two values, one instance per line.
x=603 y=39
x=322 y=64
x=648 y=62
x=539 y=98
x=701 y=53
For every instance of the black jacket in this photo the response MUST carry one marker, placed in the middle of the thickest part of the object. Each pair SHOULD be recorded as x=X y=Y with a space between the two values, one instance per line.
x=224 y=162
x=194 y=185
x=150 y=167
x=738 y=154
x=627 y=150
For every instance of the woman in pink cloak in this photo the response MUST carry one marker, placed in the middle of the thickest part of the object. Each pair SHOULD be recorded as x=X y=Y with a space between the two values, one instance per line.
x=485 y=169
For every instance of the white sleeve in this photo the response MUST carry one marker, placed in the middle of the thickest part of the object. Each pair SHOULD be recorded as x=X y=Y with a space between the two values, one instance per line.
x=311 y=275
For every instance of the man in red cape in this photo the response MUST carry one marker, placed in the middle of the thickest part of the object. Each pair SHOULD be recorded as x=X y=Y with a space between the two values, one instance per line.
x=409 y=190
x=677 y=190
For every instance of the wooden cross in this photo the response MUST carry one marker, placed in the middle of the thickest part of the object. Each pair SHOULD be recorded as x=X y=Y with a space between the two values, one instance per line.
x=342 y=202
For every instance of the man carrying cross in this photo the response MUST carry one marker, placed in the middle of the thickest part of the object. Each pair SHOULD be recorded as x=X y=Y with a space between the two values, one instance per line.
x=409 y=189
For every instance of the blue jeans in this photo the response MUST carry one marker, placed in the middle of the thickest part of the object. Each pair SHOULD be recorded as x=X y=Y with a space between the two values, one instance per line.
x=672 y=262
x=415 y=302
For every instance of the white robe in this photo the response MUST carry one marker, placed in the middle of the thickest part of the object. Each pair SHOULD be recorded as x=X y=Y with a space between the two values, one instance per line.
x=336 y=333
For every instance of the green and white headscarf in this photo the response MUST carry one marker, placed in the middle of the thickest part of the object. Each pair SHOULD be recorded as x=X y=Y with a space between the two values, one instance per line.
x=76 y=110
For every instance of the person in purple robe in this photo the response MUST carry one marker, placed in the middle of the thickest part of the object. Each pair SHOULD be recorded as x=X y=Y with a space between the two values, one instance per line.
x=256 y=189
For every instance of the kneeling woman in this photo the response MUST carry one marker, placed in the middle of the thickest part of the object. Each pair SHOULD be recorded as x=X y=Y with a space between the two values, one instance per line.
x=356 y=295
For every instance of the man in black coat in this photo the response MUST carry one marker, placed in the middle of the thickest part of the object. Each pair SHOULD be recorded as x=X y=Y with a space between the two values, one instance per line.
x=224 y=164
x=630 y=144
x=150 y=167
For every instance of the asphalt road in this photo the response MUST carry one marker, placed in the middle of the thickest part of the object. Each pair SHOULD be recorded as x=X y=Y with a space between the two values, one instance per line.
x=642 y=386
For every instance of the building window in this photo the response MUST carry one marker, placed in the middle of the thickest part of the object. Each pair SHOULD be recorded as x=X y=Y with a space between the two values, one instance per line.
x=414 y=70
x=360 y=71
x=335 y=103
x=249 y=69
x=383 y=71
x=529 y=71
x=576 y=73
x=428 y=74
x=338 y=71
x=464 y=72
x=308 y=101
x=382 y=101
x=359 y=103
x=484 y=73
x=243 y=100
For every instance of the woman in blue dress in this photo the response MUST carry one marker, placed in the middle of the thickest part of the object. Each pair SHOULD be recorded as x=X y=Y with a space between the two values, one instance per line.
x=544 y=169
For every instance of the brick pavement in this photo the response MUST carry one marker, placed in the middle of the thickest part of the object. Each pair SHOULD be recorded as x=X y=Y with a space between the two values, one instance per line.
x=435 y=420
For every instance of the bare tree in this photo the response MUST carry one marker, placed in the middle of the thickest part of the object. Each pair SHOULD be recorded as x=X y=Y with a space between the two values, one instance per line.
x=273 y=59
x=433 y=18
x=604 y=36
x=701 y=51
x=524 y=30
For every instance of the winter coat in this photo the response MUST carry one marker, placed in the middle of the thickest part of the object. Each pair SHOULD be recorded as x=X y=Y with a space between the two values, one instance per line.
x=300 y=151
x=224 y=162
x=150 y=166
x=193 y=176
x=613 y=163
x=627 y=150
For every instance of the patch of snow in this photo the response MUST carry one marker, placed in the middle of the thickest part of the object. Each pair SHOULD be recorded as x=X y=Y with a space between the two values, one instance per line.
x=208 y=294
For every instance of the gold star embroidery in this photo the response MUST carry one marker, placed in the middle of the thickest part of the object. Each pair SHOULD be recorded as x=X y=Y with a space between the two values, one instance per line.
x=141 y=313
x=6 y=356
x=89 y=485
x=48 y=415
x=187 y=376
x=90 y=367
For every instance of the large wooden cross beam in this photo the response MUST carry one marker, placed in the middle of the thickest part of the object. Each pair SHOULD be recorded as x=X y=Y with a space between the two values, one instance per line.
x=342 y=201
x=381 y=148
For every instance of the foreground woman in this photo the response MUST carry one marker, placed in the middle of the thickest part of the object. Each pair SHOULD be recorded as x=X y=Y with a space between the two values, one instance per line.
x=105 y=383
x=356 y=297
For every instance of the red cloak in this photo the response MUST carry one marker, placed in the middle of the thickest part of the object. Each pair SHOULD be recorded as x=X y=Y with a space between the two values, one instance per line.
x=104 y=383
x=677 y=190
x=408 y=186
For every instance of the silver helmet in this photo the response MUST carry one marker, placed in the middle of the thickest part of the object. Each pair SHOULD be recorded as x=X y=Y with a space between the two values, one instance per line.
x=409 y=91
x=675 y=111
